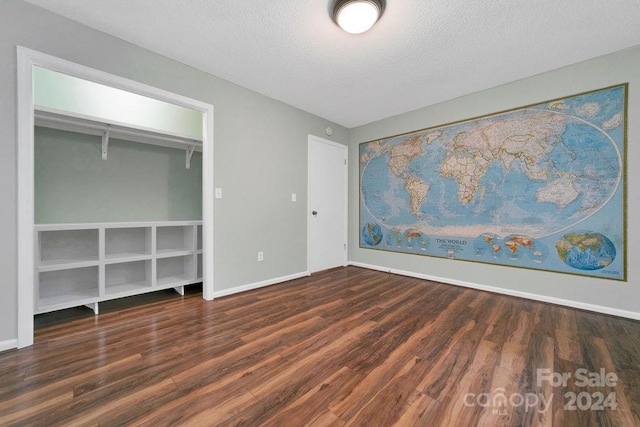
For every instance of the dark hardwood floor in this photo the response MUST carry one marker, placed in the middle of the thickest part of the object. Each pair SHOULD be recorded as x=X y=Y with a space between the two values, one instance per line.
x=345 y=347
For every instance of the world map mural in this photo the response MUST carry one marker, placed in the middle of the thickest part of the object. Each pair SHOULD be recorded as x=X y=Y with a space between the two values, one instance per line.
x=539 y=187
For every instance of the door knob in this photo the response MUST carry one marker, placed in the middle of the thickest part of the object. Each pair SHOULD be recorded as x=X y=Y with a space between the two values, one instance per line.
x=314 y=213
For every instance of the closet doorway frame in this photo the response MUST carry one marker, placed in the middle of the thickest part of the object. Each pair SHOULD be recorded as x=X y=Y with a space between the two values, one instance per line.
x=26 y=60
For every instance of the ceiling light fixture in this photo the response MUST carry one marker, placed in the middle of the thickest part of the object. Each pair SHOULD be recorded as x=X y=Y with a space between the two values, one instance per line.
x=357 y=16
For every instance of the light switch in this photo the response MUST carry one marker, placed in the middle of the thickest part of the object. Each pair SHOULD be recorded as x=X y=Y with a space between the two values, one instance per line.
x=294 y=197
x=218 y=193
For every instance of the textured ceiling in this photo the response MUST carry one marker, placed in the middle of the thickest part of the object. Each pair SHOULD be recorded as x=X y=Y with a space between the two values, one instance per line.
x=421 y=52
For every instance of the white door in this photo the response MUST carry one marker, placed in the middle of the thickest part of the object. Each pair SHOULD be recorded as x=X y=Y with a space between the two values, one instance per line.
x=327 y=208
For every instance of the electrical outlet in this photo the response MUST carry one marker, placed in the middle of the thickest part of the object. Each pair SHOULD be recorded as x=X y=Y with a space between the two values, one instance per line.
x=294 y=197
x=260 y=256
x=218 y=194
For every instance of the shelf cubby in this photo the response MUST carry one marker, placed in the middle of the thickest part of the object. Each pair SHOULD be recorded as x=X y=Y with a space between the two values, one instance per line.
x=174 y=240
x=175 y=271
x=128 y=277
x=67 y=288
x=67 y=248
x=127 y=242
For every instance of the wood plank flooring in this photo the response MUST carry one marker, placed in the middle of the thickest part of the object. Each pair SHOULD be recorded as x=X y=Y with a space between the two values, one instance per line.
x=345 y=347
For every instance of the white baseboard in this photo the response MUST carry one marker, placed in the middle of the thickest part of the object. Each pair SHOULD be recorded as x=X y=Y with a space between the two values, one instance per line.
x=257 y=285
x=8 y=345
x=504 y=291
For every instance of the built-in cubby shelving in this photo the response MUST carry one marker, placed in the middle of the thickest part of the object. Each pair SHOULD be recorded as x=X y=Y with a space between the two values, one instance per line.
x=84 y=264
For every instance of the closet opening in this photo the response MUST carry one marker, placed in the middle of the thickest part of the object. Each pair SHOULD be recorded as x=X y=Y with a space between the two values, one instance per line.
x=115 y=183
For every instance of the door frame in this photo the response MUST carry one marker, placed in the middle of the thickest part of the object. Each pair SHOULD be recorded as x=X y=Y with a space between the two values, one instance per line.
x=315 y=139
x=26 y=59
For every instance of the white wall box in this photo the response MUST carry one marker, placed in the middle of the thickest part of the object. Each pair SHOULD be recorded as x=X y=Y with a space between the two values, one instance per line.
x=84 y=264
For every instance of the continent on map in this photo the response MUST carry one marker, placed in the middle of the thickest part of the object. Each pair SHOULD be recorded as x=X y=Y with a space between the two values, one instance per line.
x=371 y=149
x=411 y=236
x=613 y=122
x=513 y=243
x=402 y=154
x=417 y=193
x=561 y=191
x=558 y=105
x=467 y=171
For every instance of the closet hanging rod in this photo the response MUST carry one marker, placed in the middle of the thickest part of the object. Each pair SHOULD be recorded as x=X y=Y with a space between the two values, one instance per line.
x=88 y=124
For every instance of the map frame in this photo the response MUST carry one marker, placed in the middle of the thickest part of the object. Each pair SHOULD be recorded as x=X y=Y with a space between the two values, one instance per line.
x=457 y=247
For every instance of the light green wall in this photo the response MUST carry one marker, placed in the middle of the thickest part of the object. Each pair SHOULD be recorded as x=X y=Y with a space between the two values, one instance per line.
x=137 y=182
x=77 y=96
x=260 y=152
x=597 y=73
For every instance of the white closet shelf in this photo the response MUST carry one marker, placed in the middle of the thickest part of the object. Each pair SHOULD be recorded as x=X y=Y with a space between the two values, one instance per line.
x=170 y=253
x=172 y=281
x=131 y=288
x=65 y=264
x=62 y=120
x=116 y=225
x=67 y=300
x=126 y=257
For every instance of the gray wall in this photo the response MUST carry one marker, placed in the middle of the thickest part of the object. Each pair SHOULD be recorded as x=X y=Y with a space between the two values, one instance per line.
x=137 y=182
x=600 y=72
x=260 y=150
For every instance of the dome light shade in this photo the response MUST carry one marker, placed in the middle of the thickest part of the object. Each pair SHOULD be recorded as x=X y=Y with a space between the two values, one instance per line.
x=357 y=16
